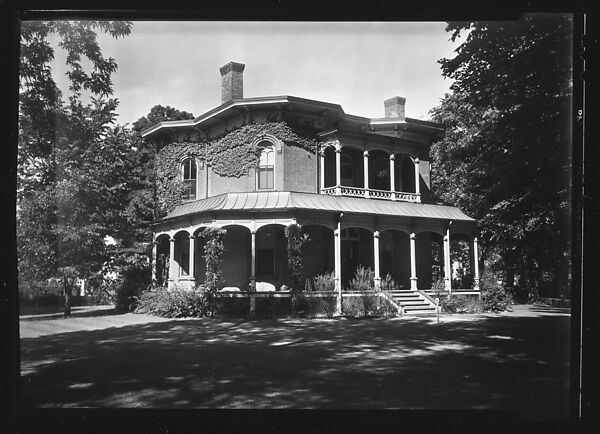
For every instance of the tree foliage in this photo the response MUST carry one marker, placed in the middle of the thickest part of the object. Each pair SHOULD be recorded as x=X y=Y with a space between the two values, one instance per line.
x=158 y=114
x=295 y=240
x=67 y=176
x=505 y=158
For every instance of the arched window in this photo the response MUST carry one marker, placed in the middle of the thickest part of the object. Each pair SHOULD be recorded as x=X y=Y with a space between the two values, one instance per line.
x=188 y=176
x=266 y=168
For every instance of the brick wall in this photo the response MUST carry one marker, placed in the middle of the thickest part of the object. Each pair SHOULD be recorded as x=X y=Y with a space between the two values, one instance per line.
x=300 y=170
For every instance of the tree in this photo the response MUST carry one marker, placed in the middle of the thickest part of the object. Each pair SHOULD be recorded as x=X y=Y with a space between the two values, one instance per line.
x=158 y=114
x=62 y=160
x=40 y=99
x=505 y=158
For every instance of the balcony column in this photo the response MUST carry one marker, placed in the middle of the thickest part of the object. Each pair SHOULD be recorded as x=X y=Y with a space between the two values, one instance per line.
x=447 y=263
x=338 y=168
x=253 y=260
x=475 y=265
x=337 y=244
x=393 y=176
x=154 y=260
x=172 y=270
x=417 y=180
x=192 y=254
x=366 y=172
x=413 y=261
x=377 y=277
x=322 y=168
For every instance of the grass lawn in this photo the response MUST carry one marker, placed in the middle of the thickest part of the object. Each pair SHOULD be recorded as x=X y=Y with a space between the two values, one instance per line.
x=518 y=362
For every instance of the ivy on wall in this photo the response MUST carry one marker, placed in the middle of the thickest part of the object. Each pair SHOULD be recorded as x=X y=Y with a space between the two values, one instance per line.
x=233 y=155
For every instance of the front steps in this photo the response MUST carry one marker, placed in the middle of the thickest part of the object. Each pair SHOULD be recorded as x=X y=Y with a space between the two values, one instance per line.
x=413 y=302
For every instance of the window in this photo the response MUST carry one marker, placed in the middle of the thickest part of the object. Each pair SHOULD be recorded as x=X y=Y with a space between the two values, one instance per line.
x=189 y=176
x=266 y=169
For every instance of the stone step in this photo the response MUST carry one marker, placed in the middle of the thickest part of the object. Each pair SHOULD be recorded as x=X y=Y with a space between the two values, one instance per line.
x=419 y=309
x=404 y=296
x=413 y=303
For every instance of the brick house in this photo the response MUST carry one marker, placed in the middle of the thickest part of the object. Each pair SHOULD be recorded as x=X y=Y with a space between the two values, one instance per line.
x=362 y=194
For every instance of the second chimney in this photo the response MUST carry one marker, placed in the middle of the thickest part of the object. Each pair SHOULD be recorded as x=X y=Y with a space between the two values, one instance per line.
x=232 y=81
x=394 y=107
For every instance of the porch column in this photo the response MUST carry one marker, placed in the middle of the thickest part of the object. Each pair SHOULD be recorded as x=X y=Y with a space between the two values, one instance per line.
x=338 y=168
x=377 y=278
x=447 y=264
x=366 y=172
x=192 y=254
x=172 y=264
x=392 y=176
x=154 y=259
x=475 y=265
x=322 y=168
x=337 y=244
x=253 y=260
x=413 y=261
x=417 y=178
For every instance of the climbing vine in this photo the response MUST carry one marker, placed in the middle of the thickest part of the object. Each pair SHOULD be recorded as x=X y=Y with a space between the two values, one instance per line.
x=295 y=241
x=232 y=155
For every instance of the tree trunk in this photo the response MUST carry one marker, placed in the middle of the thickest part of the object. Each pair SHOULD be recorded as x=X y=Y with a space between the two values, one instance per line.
x=68 y=289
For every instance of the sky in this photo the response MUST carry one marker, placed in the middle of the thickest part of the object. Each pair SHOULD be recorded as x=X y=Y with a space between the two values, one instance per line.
x=355 y=64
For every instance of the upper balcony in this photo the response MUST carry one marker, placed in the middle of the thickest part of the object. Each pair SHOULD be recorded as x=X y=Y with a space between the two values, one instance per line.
x=372 y=193
x=371 y=174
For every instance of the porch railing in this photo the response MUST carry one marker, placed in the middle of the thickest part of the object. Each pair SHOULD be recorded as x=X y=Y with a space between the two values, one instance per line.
x=342 y=190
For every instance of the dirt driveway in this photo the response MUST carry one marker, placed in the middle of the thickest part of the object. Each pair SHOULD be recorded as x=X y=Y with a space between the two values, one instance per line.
x=517 y=362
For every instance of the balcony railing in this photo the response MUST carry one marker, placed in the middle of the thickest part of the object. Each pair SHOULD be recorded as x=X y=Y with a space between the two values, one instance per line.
x=371 y=193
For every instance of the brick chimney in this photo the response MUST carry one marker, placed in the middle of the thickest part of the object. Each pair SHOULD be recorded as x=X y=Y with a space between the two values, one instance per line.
x=394 y=107
x=232 y=81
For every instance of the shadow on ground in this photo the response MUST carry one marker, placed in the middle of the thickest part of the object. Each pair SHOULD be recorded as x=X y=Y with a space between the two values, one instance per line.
x=508 y=363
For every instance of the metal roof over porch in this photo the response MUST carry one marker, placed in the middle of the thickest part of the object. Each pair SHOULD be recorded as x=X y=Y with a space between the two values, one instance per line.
x=286 y=200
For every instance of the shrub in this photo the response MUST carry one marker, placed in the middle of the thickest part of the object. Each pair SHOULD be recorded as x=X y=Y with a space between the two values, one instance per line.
x=322 y=282
x=229 y=305
x=493 y=295
x=353 y=306
x=136 y=277
x=299 y=303
x=363 y=279
x=173 y=303
x=388 y=284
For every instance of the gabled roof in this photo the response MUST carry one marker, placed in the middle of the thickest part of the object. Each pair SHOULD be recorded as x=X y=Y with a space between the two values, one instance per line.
x=286 y=200
x=278 y=101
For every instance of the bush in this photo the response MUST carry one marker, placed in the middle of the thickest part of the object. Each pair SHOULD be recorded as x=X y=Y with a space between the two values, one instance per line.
x=363 y=279
x=136 y=277
x=454 y=303
x=493 y=295
x=229 y=305
x=388 y=284
x=353 y=307
x=367 y=306
x=173 y=303
x=321 y=282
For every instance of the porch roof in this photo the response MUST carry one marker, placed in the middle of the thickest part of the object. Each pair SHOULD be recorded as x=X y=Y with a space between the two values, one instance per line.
x=287 y=200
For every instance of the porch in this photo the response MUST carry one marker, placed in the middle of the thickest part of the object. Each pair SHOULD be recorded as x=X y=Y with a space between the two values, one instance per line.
x=410 y=242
